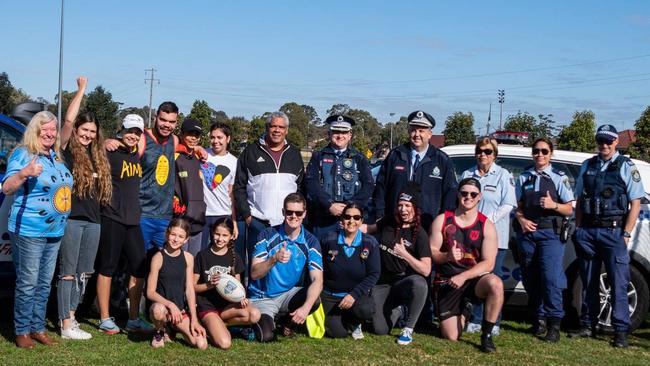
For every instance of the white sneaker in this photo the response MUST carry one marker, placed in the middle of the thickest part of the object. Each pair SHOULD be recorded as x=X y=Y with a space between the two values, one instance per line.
x=472 y=328
x=74 y=332
x=357 y=333
x=406 y=337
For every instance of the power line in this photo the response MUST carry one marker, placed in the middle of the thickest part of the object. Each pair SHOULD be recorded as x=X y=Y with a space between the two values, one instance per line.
x=150 y=80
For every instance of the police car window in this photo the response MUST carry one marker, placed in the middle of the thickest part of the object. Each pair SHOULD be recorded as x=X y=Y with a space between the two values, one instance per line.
x=516 y=166
x=462 y=163
x=8 y=141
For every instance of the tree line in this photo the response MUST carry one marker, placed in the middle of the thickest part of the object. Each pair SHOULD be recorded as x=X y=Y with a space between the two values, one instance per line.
x=308 y=131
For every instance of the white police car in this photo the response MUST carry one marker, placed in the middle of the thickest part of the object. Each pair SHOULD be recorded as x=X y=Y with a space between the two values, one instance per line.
x=516 y=159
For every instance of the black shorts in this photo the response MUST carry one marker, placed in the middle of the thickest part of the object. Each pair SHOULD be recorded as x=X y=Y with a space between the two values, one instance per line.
x=117 y=239
x=455 y=301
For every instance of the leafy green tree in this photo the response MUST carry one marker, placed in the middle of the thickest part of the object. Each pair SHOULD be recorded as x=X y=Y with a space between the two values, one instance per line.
x=256 y=128
x=400 y=132
x=142 y=112
x=66 y=99
x=202 y=112
x=366 y=132
x=6 y=91
x=100 y=101
x=338 y=109
x=238 y=138
x=298 y=123
x=543 y=126
x=640 y=148
x=459 y=129
x=579 y=135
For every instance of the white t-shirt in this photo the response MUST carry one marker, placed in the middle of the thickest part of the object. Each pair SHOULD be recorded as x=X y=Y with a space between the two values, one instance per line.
x=218 y=177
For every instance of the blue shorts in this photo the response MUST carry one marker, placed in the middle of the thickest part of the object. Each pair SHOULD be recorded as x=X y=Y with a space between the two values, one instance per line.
x=153 y=232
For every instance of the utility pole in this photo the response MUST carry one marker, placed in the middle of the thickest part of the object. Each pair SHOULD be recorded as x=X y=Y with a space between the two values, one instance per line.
x=391 y=114
x=502 y=99
x=60 y=100
x=487 y=132
x=150 y=80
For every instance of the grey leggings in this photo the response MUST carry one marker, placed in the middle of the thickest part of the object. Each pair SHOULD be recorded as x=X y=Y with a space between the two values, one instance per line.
x=410 y=291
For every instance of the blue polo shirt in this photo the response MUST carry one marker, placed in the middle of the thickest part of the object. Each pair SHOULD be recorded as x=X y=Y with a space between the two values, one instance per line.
x=42 y=204
x=629 y=172
x=282 y=277
x=498 y=189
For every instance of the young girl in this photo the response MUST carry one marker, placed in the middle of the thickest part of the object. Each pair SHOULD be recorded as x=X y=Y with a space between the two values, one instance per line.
x=171 y=290
x=214 y=311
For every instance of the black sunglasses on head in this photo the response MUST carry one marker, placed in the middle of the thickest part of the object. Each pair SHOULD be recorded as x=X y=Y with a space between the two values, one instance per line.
x=467 y=193
x=537 y=151
x=487 y=152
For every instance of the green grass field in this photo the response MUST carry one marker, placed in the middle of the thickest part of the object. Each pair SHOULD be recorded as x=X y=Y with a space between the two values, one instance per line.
x=515 y=347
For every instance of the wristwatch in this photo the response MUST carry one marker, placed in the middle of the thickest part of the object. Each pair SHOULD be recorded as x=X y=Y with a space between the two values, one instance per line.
x=626 y=234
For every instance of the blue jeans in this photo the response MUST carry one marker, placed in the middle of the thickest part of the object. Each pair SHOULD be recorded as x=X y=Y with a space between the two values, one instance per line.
x=477 y=310
x=77 y=259
x=34 y=260
x=595 y=246
x=153 y=232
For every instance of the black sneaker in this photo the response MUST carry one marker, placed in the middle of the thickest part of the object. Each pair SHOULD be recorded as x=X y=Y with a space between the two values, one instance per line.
x=583 y=332
x=539 y=328
x=620 y=340
x=487 y=345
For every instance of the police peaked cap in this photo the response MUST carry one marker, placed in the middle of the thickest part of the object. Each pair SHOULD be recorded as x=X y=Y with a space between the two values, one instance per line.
x=421 y=119
x=339 y=122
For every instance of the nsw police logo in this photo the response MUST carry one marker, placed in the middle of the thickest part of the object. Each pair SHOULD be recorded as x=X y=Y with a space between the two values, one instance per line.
x=436 y=172
x=420 y=114
x=347 y=175
x=347 y=163
x=339 y=119
x=636 y=177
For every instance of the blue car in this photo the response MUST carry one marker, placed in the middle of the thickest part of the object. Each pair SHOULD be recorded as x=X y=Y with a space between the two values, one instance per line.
x=11 y=133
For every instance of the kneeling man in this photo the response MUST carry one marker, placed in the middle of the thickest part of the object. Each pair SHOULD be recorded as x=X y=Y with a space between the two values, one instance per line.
x=283 y=254
x=464 y=249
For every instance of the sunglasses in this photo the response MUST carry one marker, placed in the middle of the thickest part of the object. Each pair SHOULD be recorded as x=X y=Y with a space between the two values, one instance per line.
x=537 y=151
x=292 y=212
x=603 y=141
x=351 y=217
x=487 y=152
x=465 y=194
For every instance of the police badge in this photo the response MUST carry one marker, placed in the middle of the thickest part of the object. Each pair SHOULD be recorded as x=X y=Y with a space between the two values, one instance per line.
x=364 y=254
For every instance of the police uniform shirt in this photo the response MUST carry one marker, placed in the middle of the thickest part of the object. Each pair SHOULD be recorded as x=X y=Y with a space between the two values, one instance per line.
x=560 y=181
x=629 y=173
x=414 y=153
x=498 y=189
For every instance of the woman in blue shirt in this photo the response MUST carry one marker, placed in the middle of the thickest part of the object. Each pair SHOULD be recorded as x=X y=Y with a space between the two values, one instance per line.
x=497 y=203
x=351 y=266
x=42 y=189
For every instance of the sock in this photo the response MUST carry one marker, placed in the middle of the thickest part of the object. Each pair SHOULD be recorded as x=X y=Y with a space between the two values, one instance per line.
x=486 y=327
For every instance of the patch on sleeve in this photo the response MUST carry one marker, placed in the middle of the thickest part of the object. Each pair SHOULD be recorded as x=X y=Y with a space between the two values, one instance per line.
x=636 y=177
x=566 y=182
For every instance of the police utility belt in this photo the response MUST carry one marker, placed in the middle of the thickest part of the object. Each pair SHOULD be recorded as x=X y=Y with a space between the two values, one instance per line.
x=602 y=222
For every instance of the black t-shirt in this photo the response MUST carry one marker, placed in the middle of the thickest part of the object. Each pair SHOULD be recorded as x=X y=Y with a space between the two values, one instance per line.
x=392 y=266
x=126 y=173
x=87 y=208
x=203 y=265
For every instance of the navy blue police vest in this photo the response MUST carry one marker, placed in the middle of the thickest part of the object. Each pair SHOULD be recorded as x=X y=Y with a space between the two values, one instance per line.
x=605 y=193
x=339 y=175
x=532 y=209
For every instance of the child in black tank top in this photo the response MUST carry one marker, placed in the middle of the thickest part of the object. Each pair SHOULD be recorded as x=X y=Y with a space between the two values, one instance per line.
x=170 y=287
x=214 y=311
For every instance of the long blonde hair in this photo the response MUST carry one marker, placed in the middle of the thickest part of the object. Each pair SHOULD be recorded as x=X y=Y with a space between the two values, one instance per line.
x=82 y=173
x=33 y=131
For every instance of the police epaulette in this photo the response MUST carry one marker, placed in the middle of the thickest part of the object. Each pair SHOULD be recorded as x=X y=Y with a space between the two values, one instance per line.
x=558 y=171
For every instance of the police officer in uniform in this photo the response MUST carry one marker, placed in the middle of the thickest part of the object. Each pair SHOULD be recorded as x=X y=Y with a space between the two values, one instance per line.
x=609 y=190
x=417 y=161
x=336 y=175
x=544 y=198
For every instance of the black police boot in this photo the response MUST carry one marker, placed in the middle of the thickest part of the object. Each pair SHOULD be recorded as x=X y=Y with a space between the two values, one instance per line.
x=553 y=332
x=620 y=340
x=487 y=345
x=539 y=328
x=583 y=332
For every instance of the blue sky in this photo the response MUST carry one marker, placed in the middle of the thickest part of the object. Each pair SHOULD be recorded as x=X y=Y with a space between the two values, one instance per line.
x=249 y=57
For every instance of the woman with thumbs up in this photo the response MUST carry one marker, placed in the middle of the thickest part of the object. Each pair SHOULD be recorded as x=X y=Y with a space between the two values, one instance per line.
x=42 y=187
x=544 y=198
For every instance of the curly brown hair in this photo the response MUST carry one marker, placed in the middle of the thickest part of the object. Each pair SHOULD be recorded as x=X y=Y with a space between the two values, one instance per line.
x=88 y=161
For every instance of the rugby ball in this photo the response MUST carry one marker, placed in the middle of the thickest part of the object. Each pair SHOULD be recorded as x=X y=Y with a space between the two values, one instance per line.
x=230 y=289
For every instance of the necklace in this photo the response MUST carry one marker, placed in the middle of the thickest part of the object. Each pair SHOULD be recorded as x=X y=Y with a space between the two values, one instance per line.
x=213 y=252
